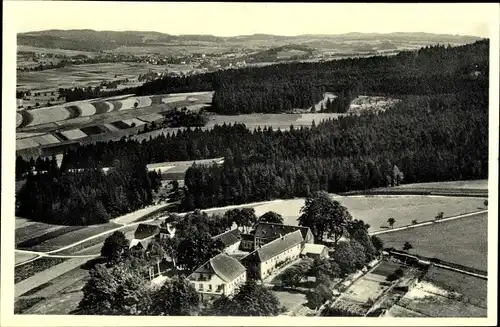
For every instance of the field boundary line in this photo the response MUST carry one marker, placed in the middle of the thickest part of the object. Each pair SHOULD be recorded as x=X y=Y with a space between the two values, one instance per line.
x=429 y=222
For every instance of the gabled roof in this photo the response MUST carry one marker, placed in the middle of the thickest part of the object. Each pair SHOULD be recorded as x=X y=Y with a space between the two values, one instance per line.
x=229 y=238
x=313 y=248
x=247 y=237
x=275 y=247
x=273 y=230
x=146 y=230
x=224 y=266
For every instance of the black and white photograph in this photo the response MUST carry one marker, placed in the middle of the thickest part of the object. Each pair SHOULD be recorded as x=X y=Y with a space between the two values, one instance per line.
x=215 y=162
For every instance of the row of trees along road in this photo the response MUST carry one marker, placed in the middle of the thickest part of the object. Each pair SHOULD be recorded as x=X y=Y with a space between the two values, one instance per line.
x=120 y=285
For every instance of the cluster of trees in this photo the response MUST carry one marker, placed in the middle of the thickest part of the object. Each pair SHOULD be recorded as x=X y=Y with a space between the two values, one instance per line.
x=179 y=118
x=86 y=197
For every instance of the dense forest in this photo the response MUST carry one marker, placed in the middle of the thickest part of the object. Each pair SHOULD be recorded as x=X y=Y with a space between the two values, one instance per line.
x=86 y=197
x=277 y=88
x=438 y=132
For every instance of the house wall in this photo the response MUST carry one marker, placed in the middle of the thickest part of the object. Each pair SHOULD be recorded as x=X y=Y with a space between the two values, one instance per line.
x=246 y=245
x=269 y=266
x=215 y=285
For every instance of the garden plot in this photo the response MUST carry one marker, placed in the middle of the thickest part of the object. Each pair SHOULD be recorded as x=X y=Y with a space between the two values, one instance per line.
x=365 y=290
x=73 y=121
x=424 y=300
x=74 y=134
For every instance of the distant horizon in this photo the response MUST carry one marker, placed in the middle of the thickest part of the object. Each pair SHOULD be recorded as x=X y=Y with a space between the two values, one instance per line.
x=252 y=34
x=229 y=19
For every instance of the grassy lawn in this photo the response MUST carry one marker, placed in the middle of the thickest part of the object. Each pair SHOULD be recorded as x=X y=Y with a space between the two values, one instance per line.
x=481 y=184
x=375 y=210
x=463 y=241
x=290 y=300
x=22 y=257
x=27 y=270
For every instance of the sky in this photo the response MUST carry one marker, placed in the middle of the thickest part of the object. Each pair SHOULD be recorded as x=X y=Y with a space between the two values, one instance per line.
x=229 y=19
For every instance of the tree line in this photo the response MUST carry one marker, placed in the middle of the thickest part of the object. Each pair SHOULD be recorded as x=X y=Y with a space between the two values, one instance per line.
x=86 y=197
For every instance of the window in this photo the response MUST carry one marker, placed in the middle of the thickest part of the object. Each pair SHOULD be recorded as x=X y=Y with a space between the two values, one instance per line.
x=210 y=287
x=201 y=287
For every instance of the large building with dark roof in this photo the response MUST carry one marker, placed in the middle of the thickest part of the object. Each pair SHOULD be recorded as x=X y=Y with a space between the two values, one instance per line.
x=271 y=256
x=220 y=275
x=231 y=240
x=265 y=232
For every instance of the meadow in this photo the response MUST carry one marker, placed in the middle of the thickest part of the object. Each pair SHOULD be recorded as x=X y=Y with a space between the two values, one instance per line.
x=463 y=241
x=375 y=210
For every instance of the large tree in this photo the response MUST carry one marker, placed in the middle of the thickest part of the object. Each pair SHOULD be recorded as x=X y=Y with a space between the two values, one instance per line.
x=271 y=217
x=253 y=300
x=121 y=289
x=114 y=246
x=324 y=216
x=177 y=297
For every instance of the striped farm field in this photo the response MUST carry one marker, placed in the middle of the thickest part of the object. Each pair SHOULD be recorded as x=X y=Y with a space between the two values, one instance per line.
x=74 y=134
x=71 y=237
x=133 y=122
x=34 y=243
x=46 y=139
x=151 y=118
x=27 y=232
x=26 y=144
x=49 y=115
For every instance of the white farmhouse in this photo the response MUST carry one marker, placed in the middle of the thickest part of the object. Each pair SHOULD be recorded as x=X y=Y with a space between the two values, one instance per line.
x=271 y=256
x=220 y=275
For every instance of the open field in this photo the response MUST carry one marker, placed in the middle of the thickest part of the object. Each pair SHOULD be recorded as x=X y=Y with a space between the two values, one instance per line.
x=398 y=311
x=481 y=184
x=463 y=241
x=386 y=268
x=83 y=75
x=375 y=210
